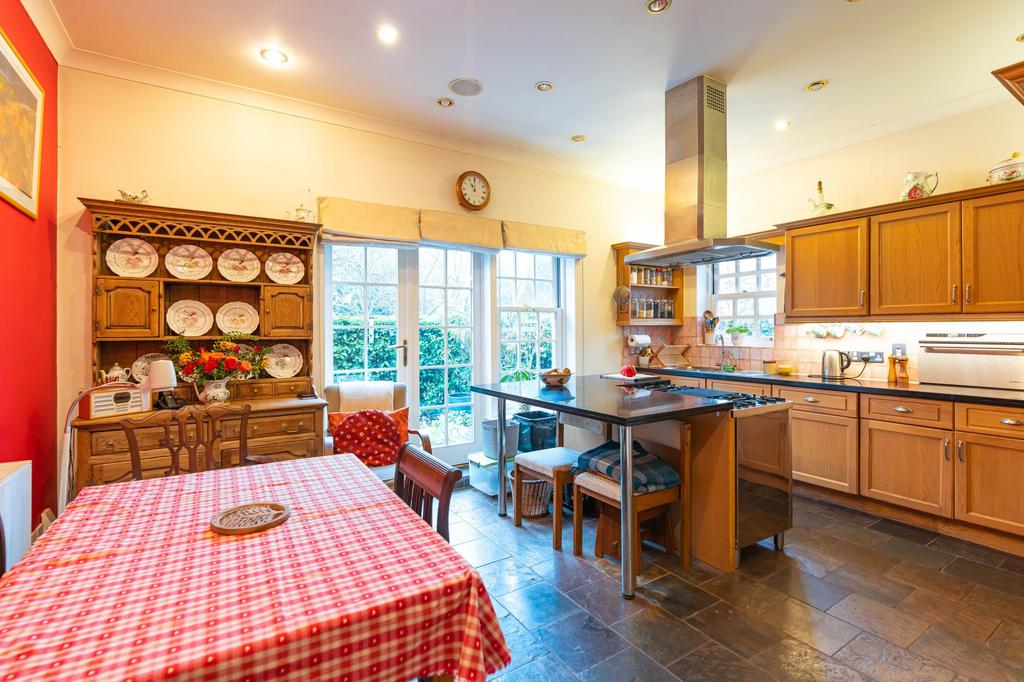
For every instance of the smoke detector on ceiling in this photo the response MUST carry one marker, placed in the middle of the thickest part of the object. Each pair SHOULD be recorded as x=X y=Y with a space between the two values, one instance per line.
x=466 y=87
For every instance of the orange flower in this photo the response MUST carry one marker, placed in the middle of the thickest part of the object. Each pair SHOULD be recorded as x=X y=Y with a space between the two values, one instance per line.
x=245 y=366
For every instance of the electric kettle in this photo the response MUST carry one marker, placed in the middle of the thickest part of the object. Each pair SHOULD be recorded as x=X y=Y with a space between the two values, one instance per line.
x=833 y=364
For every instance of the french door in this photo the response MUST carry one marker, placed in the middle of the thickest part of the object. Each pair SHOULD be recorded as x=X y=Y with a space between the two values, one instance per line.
x=410 y=315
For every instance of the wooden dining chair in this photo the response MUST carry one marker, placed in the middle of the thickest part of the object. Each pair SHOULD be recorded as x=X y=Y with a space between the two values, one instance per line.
x=420 y=479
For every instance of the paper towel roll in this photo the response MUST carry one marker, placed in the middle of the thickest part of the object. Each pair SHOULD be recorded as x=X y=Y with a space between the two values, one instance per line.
x=638 y=341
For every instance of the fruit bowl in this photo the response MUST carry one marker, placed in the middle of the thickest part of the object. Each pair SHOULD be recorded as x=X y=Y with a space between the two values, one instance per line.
x=555 y=378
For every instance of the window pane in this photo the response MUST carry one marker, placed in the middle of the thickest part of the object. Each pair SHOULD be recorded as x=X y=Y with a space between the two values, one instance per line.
x=528 y=326
x=341 y=377
x=768 y=262
x=460 y=306
x=509 y=326
x=726 y=268
x=432 y=422
x=546 y=355
x=767 y=327
x=748 y=283
x=384 y=375
x=747 y=264
x=545 y=295
x=431 y=346
x=460 y=269
x=508 y=356
x=723 y=308
x=460 y=425
x=459 y=379
x=545 y=268
x=768 y=281
x=381 y=351
x=383 y=304
x=431 y=266
x=431 y=387
x=460 y=346
x=347 y=300
x=524 y=264
x=507 y=264
x=766 y=306
x=727 y=285
x=349 y=344
x=506 y=292
x=546 y=325
x=431 y=306
x=528 y=355
x=745 y=306
x=382 y=265
x=347 y=263
x=525 y=293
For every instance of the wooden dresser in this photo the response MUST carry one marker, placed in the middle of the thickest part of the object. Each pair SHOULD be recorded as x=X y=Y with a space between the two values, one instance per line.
x=129 y=322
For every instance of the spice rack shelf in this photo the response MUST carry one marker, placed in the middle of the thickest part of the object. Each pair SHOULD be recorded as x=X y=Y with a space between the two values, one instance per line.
x=670 y=295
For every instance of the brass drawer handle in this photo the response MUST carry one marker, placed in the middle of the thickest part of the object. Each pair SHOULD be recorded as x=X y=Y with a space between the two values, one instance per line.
x=1010 y=421
x=945 y=449
x=298 y=428
x=811 y=399
x=902 y=410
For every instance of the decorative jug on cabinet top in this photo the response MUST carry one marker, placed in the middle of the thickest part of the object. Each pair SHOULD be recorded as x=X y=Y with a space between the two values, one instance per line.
x=915 y=185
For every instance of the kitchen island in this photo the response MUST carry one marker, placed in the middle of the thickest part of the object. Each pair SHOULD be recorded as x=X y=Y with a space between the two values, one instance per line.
x=626 y=407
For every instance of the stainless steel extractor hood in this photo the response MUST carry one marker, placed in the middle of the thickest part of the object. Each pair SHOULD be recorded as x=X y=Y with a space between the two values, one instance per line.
x=695 y=182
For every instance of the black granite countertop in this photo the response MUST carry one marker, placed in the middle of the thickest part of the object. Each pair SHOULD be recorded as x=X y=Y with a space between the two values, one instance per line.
x=604 y=400
x=987 y=396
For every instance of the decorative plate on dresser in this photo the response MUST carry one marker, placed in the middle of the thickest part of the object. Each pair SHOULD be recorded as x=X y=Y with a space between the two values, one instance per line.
x=284 y=268
x=188 y=262
x=284 y=361
x=140 y=368
x=239 y=265
x=132 y=257
x=237 y=316
x=189 y=318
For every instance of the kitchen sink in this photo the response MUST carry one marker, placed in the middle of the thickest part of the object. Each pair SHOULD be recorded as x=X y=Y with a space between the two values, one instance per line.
x=717 y=370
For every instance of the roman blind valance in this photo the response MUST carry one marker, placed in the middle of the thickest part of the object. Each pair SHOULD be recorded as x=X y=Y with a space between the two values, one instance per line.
x=559 y=241
x=349 y=220
x=466 y=230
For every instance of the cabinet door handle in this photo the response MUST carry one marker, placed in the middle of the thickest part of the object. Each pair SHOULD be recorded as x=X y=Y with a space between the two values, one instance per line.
x=967 y=294
x=954 y=293
x=945 y=449
x=960 y=451
x=902 y=410
x=861 y=299
x=284 y=427
x=1010 y=421
x=811 y=399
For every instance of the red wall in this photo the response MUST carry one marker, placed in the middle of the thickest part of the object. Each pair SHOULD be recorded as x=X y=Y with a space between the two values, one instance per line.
x=28 y=291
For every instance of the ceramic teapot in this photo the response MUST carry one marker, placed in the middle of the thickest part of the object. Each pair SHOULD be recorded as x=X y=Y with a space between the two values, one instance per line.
x=302 y=214
x=1007 y=170
x=915 y=185
x=115 y=374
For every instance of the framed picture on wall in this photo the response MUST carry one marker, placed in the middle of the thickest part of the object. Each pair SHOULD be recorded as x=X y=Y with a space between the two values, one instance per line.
x=21 y=130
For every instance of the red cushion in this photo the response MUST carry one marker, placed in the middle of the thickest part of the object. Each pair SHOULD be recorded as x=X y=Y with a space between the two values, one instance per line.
x=370 y=435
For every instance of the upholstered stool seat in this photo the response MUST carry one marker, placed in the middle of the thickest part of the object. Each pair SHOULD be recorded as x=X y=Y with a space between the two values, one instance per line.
x=548 y=461
x=592 y=482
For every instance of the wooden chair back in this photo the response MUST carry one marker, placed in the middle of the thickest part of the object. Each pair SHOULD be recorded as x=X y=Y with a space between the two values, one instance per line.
x=420 y=479
x=194 y=430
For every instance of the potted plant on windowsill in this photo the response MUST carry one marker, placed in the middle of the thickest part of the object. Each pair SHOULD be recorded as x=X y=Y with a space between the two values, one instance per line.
x=738 y=331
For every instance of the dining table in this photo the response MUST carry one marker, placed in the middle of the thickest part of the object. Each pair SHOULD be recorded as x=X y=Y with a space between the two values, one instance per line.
x=131 y=583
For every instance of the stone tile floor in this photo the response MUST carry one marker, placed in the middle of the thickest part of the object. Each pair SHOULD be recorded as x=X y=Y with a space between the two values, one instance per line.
x=852 y=597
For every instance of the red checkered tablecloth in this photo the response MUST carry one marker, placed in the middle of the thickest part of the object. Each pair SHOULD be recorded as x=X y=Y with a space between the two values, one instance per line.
x=130 y=583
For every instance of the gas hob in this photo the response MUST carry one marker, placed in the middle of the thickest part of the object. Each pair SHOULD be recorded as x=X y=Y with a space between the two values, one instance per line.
x=740 y=401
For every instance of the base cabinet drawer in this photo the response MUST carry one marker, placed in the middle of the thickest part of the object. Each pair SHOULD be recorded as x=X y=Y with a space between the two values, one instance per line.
x=933 y=413
x=990 y=481
x=688 y=382
x=827 y=402
x=740 y=387
x=994 y=420
x=824 y=450
x=911 y=466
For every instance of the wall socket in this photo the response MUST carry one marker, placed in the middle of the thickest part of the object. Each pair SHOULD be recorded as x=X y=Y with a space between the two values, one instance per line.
x=899 y=349
x=870 y=356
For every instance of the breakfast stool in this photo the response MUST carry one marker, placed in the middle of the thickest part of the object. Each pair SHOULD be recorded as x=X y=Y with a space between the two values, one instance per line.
x=554 y=465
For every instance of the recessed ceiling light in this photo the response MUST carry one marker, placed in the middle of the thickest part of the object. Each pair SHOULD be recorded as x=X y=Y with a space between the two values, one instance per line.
x=1020 y=38
x=815 y=86
x=781 y=124
x=272 y=55
x=658 y=6
x=466 y=87
x=445 y=102
x=544 y=86
x=387 y=34
x=578 y=138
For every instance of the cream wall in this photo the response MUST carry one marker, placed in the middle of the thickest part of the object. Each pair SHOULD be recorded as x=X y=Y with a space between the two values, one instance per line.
x=961 y=148
x=210 y=153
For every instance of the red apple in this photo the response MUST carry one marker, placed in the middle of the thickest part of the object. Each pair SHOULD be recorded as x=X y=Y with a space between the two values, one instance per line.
x=628 y=371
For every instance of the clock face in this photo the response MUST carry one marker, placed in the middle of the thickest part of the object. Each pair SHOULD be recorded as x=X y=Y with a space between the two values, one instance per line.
x=474 y=190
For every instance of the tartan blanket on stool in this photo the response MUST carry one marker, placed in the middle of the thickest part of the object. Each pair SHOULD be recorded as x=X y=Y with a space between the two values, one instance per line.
x=650 y=473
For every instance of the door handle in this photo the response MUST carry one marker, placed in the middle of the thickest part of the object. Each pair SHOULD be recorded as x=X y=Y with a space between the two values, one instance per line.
x=811 y=399
x=1010 y=421
x=960 y=451
x=405 y=351
x=945 y=449
x=902 y=410
x=967 y=294
x=861 y=299
x=954 y=293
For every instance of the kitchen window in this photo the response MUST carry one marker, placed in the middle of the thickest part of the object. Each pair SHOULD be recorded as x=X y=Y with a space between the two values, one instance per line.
x=530 y=317
x=744 y=292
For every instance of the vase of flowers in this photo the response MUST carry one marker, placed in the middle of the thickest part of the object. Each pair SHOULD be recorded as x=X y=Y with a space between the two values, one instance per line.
x=209 y=371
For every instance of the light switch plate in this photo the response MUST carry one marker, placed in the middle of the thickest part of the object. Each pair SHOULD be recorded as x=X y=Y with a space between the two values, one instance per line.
x=899 y=349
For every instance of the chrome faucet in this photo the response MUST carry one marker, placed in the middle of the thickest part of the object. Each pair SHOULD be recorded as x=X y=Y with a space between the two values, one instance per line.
x=725 y=354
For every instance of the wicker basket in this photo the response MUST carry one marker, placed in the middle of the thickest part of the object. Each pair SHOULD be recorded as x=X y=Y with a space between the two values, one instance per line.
x=536 y=495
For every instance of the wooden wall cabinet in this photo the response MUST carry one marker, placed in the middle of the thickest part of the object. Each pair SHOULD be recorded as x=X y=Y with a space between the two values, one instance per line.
x=287 y=312
x=126 y=308
x=827 y=270
x=993 y=254
x=911 y=466
x=989 y=472
x=915 y=261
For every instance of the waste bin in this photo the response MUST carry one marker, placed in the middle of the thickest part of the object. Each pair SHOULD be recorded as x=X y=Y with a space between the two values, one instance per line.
x=536 y=430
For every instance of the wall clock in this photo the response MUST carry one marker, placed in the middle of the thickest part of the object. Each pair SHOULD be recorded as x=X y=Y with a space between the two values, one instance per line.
x=473 y=191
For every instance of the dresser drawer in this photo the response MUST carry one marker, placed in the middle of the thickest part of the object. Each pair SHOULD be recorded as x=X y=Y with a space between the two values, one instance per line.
x=281 y=449
x=116 y=441
x=935 y=413
x=248 y=389
x=279 y=425
x=992 y=419
x=155 y=463
x=291 y=387
x=739 y=387
x=839 y=403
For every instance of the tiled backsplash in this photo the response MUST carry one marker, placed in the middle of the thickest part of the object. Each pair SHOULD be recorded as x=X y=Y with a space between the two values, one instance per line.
x=798 y=344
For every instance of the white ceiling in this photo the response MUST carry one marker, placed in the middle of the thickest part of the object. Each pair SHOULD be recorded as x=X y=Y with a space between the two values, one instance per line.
x=892 y=65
